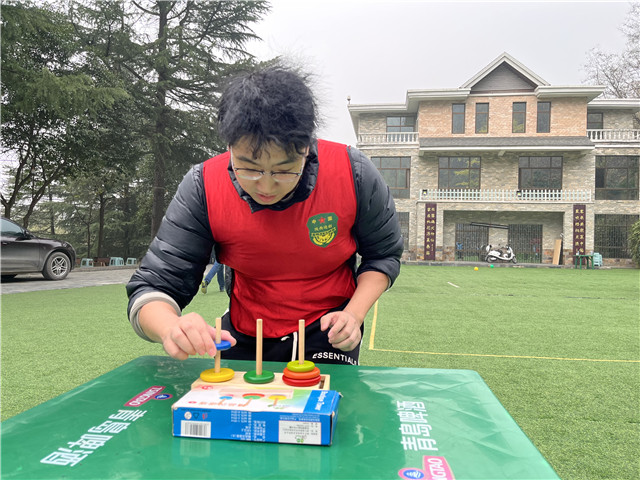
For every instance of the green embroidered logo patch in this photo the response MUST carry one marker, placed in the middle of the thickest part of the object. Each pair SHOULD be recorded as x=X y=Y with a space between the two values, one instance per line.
x=323 y=228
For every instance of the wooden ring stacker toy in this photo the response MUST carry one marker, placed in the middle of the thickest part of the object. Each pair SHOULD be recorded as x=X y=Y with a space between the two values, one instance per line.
x=217 y=374
x=258 y=375
x=302 y=373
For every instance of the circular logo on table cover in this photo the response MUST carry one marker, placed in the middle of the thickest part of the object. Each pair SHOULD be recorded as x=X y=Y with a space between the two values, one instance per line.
x=411 y=473
x=434 y=468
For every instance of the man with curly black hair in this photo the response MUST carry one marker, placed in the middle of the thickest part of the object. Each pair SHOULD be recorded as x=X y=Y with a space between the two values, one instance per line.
x=287 y=214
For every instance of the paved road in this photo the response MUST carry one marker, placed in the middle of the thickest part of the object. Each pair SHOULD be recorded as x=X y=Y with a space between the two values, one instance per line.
x=79 y=277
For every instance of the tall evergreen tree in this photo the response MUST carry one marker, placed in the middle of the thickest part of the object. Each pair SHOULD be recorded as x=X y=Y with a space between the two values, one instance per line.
x=50 y=102
x=174 y=55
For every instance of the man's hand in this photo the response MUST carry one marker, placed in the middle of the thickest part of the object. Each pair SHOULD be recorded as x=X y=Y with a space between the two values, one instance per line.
x=191 y=335
x=344 y=333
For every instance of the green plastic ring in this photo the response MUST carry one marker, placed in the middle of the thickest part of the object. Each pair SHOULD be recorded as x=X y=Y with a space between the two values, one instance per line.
x=253 y=377
x=295 y=366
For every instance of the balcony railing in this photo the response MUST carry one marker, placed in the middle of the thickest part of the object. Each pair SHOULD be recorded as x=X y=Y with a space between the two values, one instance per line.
x=622 y=135
x=507 y=196
x=614 y=135
x=394 y=138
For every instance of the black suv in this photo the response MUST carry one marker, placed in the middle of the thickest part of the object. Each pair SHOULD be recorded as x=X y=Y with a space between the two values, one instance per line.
x=23 y=252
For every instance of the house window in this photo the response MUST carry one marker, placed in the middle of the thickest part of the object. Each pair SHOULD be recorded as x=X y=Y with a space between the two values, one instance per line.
x=459 y=172
x=457 y=118
x=396 y=171
x=544 y=173
x=617 y=177
x=403 y=218
x=482 y=118
x=594 y=121
x=611 y=235
x=401 y=126
x=519 y=117
x=544 y=117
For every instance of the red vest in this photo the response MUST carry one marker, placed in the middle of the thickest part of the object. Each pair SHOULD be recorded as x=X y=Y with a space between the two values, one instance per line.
x=289 y=264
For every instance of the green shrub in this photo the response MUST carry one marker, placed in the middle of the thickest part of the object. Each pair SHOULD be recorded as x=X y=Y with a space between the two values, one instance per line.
x=634 y=242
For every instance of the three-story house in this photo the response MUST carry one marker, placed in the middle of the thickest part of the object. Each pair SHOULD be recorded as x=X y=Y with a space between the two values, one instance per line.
x=508 y=158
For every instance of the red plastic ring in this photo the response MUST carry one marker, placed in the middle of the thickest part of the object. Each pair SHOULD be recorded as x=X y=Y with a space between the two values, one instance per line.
x=301 y=383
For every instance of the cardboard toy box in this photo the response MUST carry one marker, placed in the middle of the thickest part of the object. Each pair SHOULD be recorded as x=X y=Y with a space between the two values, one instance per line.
x=279 y=414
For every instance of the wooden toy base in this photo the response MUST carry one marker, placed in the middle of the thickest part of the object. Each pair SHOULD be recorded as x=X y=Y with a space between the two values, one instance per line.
x=238 y=380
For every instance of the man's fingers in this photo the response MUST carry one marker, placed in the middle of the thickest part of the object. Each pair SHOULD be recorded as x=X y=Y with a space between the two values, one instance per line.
x=225 y=335
x=342 y=338
x=174 y=351
x=178 y=337
x=338 y=324
x=326 y=321
x=349 y=343
x=196 y=337
x=344 y=333
x=193 y=336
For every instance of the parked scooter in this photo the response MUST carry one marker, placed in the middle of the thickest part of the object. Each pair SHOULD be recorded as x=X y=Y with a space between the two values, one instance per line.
x=492 y=254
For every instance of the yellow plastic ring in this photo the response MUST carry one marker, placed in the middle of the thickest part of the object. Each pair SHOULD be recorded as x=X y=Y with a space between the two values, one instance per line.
x=297 y=367
x=212 y=376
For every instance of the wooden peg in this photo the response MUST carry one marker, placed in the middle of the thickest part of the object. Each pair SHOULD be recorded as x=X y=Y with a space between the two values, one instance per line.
x=259 y=346
x=218 y=339
x=218 y=374
x=308 y=370
x=300 y=342
x=257 y=375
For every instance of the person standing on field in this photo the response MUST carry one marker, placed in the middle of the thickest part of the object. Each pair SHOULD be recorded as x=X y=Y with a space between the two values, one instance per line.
x=287 y=213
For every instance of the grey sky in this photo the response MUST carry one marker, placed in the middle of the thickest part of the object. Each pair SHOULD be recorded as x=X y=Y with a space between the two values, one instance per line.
x=374 y=51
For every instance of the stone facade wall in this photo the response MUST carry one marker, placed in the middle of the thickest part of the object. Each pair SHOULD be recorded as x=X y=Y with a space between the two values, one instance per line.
x=578 y=171
x=568 y=117
x=612 y=119
x=497 y=172
x=372 y=123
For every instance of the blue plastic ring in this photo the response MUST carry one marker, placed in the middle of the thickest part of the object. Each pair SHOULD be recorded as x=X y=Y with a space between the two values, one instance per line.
x=223 y=345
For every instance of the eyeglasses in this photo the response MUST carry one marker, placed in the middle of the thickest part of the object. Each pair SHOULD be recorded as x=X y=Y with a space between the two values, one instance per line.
x=253 y=174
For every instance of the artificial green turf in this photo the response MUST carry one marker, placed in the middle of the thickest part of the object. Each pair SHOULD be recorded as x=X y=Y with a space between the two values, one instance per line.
x=558 y=347
x=55 y=340
x=573 y=397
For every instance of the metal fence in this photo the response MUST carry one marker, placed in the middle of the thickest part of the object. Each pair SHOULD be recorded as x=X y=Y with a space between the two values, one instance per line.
x=526 y=242
x=611 y=234
x=469 y=239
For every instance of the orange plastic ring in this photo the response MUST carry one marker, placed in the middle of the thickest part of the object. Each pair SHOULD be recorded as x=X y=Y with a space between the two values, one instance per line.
x=301 y=375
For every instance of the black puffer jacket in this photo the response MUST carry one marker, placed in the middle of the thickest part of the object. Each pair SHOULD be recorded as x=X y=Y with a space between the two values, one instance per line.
x=177 y=258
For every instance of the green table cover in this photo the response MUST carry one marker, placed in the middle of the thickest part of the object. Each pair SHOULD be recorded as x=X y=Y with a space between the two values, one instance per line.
x=392 y=423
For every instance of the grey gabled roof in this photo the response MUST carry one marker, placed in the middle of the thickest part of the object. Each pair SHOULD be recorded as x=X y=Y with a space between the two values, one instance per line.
x=505 y=58
x=506 y=143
